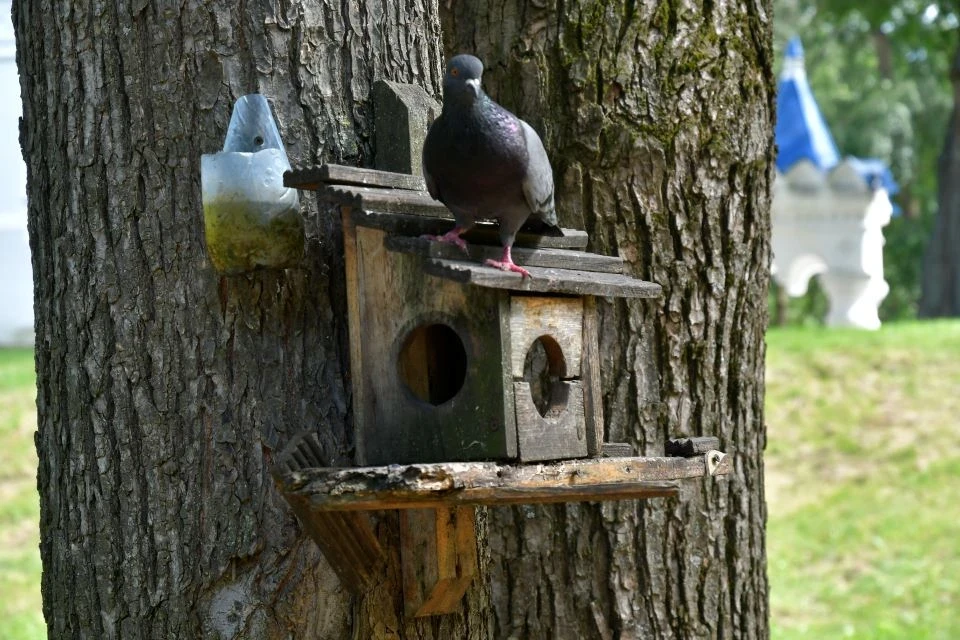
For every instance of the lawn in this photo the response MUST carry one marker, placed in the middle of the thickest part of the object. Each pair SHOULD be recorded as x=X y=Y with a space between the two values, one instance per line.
x=863 y=476
x=20 y=617
x=863 y=479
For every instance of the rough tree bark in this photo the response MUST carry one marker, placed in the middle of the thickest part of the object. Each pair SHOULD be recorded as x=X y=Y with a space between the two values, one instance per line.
x=940 y=293
x=161 y=386
x=658 y=116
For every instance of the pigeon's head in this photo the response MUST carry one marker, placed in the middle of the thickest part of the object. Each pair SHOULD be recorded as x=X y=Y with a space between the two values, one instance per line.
x=462 y=80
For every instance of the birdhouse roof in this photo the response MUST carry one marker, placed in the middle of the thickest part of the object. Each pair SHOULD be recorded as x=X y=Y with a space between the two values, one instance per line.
x=399 y=205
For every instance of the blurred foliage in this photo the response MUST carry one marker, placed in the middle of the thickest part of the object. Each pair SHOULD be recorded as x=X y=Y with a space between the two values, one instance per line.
x=809 y=310
x=879 y=70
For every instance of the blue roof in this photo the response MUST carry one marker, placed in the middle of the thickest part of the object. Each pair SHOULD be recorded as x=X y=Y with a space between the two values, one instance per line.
x=794 y=49
x=801 y=132
x=875 y=173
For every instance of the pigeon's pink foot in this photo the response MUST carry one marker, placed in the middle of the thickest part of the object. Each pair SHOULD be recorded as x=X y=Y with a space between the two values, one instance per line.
x=507 y=264
x=450 y=237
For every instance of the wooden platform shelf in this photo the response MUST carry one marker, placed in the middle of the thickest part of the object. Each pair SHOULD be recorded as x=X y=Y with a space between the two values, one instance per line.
x=419 y=486
x=436 y=502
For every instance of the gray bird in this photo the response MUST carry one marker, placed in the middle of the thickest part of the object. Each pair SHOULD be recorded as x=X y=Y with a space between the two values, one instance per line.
x=482 y=161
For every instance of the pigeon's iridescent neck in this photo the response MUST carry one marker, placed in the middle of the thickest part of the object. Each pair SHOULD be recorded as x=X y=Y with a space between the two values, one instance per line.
x=482 y=109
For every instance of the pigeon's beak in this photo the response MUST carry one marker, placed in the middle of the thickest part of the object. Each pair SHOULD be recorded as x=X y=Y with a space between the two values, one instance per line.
x=474 y=84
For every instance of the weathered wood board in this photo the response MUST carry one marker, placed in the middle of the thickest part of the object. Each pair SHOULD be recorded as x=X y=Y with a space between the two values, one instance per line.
x=486 y=233
x=316 y=177
x=617 y=450
x=561 y=319
x=389 y=297
x=346 y=538
x=688 y=447
x=559 y=433
x=413 y=203
x=438 y=552
x=527 y=257
x=592 y=393
x=445 y=484
x=567 y=281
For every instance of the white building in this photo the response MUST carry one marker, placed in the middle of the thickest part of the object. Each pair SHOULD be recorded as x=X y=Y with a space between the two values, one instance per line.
x=828 y=215
x=16 y=278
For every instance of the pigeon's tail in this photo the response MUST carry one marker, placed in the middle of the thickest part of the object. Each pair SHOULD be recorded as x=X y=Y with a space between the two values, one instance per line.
x=547 y=216
x=544 y=226
x=538 y=183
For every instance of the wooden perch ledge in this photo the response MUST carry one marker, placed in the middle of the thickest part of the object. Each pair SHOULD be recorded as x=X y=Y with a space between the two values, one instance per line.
x=417 y=486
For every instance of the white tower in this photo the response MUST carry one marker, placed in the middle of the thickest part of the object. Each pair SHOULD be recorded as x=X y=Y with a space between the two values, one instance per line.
x=16 y=285
x=828 y=215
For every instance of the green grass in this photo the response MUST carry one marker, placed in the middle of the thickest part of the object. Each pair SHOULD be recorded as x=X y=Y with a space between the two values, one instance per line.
x=863 y=477
x=863 y=485
x=20 y=616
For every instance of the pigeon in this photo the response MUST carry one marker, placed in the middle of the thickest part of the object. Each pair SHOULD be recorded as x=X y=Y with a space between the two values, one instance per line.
x=482 y=161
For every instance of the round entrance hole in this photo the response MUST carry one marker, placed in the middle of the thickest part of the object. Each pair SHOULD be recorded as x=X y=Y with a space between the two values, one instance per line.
x=543 y=368
x=433 y=363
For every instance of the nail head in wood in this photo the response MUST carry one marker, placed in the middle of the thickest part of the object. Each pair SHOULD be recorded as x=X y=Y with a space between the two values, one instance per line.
x=713 y=460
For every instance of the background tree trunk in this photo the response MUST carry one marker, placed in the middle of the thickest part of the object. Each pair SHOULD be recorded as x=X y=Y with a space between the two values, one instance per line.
x=162 y=387
x=658 y=117
x=940 y=294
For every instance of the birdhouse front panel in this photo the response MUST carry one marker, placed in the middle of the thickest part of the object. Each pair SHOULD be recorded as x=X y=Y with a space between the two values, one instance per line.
x=546 y=346
x=431 y=370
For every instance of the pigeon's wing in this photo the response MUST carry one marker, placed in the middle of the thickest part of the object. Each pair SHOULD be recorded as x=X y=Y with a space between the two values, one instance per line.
x=538 y=183
x=424 y=154
x=431 y=185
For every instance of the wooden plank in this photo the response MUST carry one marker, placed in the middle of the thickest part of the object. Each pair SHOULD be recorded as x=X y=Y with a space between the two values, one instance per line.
x=402 y=201
x=402 y=114
x=451 y=483
x=623 y=490
x=561 y=319
x=483 y=233
x=319 y=176
x=592 y=393
x=438 y=554
x=544 y=280
x=302 y=451
x=528 y=257
x=354 y=315
x=393 y=422
x=347 y=541
x=687 y=447
x=558 y=434
x=616 y=450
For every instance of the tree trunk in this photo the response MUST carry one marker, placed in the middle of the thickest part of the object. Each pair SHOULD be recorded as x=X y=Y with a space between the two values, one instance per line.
x=163 y=388
x=658 y=117
x=940 y=293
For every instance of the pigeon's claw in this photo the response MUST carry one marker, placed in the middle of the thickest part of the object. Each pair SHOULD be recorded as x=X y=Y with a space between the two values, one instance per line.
x=450 y=237
x=507 y=264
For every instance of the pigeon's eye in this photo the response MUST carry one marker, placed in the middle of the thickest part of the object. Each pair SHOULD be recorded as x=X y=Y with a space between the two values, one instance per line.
x=454 y=72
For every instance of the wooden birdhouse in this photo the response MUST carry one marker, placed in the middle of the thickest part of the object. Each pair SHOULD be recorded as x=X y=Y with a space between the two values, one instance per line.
x=452 y=360
x=471 y=386
x=461 y=375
